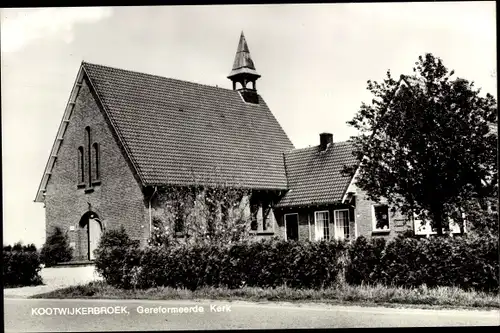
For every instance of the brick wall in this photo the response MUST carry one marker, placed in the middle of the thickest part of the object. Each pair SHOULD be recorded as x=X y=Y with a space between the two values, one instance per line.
x=118 y=200
x=364 y=219
x=160 y=211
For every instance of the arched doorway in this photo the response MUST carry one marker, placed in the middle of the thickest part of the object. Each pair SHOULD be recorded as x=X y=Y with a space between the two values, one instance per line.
x=93 y=227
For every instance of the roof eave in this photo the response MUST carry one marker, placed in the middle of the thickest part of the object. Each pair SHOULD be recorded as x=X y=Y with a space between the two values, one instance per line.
x=59 y=137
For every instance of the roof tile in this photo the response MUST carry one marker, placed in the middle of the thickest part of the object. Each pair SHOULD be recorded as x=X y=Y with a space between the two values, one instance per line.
x=314 y=176
x=177 y=131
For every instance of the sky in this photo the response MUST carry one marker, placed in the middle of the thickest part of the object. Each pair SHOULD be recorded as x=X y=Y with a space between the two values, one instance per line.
x=314 y=60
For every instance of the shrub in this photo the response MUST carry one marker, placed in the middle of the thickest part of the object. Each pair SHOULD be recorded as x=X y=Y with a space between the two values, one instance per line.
x=116 y=257
x=465 y=262
x=21 y=265
x=364 y=260
x=56 y=248
x=267 y=263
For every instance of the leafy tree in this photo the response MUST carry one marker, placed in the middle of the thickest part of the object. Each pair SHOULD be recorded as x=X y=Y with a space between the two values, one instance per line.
x=427 y=143
x=56 y=248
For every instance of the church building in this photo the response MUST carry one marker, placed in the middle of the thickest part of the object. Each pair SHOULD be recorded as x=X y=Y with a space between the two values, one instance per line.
x=126 y=135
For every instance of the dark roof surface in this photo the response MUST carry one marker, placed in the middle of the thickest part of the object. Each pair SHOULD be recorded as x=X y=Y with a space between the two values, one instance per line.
x=243 y=62
x=180 y=132
x=314 y=177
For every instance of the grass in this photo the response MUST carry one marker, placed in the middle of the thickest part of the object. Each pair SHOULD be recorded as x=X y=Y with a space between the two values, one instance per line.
x=441 y=297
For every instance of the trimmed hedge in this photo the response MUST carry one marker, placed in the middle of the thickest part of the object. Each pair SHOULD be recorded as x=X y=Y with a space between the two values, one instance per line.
x=466 y=262
x=255 y=264
x=21 y=266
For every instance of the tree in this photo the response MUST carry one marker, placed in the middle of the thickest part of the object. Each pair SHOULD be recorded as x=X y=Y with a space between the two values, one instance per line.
x=426 y=144
x=56 y=248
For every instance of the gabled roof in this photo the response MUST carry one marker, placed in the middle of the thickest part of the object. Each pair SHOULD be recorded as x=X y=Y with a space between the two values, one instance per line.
x=178 y=132
x=314 y=176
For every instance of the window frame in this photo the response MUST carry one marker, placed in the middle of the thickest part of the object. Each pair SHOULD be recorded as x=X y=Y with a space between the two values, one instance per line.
x=348 y=224
x=374 y=219
x=284 y=221
x=96 y=152
x=81 y=167
x=327 y=225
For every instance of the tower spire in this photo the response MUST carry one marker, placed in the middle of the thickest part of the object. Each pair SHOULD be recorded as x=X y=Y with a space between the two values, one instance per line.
x=243 y=70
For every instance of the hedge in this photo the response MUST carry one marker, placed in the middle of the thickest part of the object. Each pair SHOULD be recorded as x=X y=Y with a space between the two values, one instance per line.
x=466 y=262
x=21 y=266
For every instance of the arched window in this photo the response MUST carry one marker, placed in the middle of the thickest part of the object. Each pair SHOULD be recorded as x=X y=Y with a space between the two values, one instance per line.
x=81 y=166
x=89 y=157
x=97 y=160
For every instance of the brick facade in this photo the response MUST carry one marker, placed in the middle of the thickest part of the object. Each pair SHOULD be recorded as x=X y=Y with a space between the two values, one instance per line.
x=364 y=219
x=117 y=200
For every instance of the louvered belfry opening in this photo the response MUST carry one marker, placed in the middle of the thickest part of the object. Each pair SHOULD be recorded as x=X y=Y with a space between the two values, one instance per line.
x=244 y=73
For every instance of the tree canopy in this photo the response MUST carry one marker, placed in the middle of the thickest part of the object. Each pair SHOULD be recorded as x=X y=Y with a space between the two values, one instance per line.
x=427 y=143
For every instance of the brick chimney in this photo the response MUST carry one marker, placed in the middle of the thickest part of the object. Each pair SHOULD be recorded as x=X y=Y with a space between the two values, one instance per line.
x=325 y=139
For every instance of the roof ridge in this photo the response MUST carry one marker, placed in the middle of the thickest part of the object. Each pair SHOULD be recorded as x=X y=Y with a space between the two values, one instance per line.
x=316 y=146
x=156 y=75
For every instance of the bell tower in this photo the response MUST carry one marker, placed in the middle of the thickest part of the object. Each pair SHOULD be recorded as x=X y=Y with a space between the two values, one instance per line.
x=244 y=72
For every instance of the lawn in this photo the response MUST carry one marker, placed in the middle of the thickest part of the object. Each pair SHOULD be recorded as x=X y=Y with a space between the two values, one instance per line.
x=441 y=297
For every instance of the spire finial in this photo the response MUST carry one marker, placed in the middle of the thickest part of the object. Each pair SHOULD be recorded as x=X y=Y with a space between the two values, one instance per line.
x=243 y=67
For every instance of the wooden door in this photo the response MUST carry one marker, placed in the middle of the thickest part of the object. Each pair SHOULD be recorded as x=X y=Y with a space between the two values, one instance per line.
x=95 y=231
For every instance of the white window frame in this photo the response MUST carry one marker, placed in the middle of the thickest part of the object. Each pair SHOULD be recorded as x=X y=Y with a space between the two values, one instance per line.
x=271 y=211
x=335 y=228
x=284 y=220
x=374 y=219
x=426 y=228
x=316 y=225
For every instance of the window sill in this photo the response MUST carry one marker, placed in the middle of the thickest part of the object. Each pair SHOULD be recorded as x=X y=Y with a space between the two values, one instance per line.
x=82 y=185
x=381 y=231
x=262 y=233
x=89 y=190
x=96 y=182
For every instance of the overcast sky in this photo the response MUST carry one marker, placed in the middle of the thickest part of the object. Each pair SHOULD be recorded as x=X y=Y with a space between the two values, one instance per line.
x=314 y=61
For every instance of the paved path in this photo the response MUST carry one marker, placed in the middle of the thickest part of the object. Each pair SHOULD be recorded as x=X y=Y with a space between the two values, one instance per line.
x=55 y=278
x=33 y=315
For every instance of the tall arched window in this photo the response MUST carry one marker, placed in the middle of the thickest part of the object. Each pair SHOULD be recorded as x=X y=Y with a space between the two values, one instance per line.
x=81 y=166
x=97 y=160
x=89 y=157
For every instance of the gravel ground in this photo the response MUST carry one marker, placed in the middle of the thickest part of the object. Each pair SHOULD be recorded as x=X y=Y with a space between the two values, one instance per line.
x=55 y=278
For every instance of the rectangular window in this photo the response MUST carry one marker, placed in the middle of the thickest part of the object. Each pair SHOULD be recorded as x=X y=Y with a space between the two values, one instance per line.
x=341 y=224
x=380 y=218
x=322 y=225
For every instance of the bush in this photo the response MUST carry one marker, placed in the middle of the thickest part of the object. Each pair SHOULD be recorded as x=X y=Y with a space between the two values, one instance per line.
x=21 y=265
x=465 y=262
x=267 y=263
x=364 y=260
x=56 y=248
x=116 y=257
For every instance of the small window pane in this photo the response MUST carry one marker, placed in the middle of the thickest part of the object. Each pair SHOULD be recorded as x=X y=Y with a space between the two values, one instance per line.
x=342 y=224
x=322 y=225
x=381 y=217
